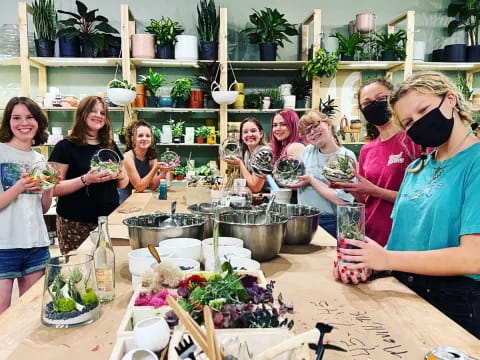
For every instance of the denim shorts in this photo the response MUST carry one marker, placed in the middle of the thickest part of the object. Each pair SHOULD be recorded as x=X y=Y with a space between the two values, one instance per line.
x=329 y=224
x=15 y=263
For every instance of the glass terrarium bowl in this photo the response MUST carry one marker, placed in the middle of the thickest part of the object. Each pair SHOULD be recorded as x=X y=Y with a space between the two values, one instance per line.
x=230 y=148
x=339 y=168
x=45 y=174
x=287 y=170
x=169 y=159
x=105 y=161
x=69 y=295
x=262 y=161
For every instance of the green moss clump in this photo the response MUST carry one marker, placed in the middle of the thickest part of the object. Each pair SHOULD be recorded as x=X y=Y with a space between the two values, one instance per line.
x=64 y=305
x=89 y=298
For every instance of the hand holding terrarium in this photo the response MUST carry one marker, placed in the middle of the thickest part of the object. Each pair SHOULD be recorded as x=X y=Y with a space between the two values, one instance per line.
x=339 y=168
x=105 y=162
x=169 y=159
x=45 y=174
x=287 y=170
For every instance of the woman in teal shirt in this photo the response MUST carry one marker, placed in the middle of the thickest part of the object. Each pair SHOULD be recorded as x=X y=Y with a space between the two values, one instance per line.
x=434 y=246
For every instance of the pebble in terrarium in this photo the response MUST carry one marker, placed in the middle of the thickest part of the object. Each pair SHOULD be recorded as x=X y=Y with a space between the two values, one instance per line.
x=339 y=168
x=105 y=161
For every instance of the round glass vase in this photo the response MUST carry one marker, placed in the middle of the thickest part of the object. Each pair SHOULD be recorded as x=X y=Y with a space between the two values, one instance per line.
x=69 y=294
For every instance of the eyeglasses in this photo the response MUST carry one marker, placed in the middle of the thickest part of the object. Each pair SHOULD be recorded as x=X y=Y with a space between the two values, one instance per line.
x=311 y=129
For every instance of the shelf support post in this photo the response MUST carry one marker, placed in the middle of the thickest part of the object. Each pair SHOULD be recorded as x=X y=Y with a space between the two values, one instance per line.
x=24 y=63
x=223 y=63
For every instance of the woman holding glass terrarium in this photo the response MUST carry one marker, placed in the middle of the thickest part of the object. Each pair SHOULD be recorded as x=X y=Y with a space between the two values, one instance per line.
x=252 y=138
x=434 y=245
x=24 y=239
x=141 y=165
x=86 y=192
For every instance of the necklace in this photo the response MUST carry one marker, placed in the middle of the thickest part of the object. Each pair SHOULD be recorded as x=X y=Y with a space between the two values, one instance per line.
x=437 y=171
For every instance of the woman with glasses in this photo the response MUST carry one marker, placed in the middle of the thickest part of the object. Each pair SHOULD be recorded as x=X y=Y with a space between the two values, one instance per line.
x=318 y=132
x=382 y=161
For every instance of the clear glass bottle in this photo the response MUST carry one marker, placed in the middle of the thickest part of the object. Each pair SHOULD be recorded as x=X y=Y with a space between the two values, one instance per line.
x=104 y=259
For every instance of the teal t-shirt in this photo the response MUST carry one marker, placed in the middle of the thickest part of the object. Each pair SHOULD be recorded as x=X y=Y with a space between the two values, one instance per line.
x=438 y=205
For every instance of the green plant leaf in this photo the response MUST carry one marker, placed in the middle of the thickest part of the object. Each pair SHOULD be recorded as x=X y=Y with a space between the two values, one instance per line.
x=81 y=8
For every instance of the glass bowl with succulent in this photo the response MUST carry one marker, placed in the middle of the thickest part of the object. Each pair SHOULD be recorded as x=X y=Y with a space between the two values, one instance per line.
x=262 y=160
x=105 y=161
x=230 y=148
x=69 y=297
x=339 y=168
x=169 y=159
x=287 y=170
x=45 y=174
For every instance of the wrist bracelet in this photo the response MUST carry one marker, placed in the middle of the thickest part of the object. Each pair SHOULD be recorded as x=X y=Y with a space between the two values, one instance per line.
x=84 y=181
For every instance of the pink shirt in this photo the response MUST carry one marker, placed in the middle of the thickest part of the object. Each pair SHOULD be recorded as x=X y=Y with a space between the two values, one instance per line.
x=384 y=164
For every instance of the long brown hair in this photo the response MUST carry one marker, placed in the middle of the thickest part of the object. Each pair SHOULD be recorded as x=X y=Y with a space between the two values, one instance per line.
x=79 y=129
x=131 y=134
x=243 y=146
x=6 y=133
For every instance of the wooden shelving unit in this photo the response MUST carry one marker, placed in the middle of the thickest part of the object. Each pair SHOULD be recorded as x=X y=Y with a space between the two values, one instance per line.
x=176 y=110
x=10 y=61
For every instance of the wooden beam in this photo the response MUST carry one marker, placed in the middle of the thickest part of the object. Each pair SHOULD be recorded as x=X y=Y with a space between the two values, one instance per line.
x=223 y=63
x=397 y=19
x=409 y=46
x=125 y=61
x=24 y=63
x=304 y=55
x=317 y=28
x=469 y=80
x=309 y=18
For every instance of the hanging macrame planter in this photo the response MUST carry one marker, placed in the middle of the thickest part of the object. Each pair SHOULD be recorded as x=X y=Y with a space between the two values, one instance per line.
x=224 y=96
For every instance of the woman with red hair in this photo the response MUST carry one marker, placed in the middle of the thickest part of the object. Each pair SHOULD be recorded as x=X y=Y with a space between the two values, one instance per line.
x=284 y=136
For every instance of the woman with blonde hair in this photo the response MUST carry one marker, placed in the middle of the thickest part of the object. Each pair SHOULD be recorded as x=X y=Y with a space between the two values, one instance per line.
x=434 y=246
x=85 y=193
x=319 y=133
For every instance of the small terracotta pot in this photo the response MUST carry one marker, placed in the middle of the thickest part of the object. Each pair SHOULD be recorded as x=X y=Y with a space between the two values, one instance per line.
x=179 y=177
x=200 y=140
x=140 y=97
x=142 y=46
x=196 y=99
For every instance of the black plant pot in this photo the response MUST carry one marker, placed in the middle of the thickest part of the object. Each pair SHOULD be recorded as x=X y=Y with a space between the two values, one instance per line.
x=209 y=103
x=344 y=57
x=164 y=52
x=112 y=52
x=388 y=55
x=473 y=53
x=122 y=138
x=437 y=55
x=455 y=53
x=45 y=48
x=278 y=104
x=69 y=48
x=152 y=101
x=87 y=49
x=208 y=50
x=177 y=139
x=300 y=104
x=180 y=103
x=268 y=52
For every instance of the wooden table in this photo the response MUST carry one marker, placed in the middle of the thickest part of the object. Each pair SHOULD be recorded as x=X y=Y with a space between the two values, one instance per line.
x=381 y=319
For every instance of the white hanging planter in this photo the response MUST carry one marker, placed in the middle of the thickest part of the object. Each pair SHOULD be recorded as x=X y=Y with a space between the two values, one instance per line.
x=224 y=97
x=186 y=47
x=120 y=96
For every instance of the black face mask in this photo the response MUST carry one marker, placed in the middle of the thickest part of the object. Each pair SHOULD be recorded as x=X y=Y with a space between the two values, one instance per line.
x=433 y=129
x=377 y=113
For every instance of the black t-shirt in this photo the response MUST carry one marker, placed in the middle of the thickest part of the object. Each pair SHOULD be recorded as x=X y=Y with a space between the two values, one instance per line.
x=90 y=202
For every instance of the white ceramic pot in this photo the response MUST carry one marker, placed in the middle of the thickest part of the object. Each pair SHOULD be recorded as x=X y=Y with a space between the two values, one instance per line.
x=152 y=334
x=289 y=101
x=186 y=47
x=140 y=354
x=238 y=263
x=285 y=89
x=419 y=50
x=225 y=252
x=184 y=264
x=184 y=247
x=365 y=23
x=207 y=244
x=282 y=196
x=142 y=46
x=139 y=260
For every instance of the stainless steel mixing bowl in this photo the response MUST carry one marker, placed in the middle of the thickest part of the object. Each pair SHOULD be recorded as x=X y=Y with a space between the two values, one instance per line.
x=148 y=229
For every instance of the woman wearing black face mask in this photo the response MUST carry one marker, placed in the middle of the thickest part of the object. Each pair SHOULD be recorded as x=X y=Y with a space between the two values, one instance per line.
x=382 y=162
x=434 y=246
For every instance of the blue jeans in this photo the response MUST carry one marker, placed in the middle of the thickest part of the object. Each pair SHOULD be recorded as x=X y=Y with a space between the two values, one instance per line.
x=458 y=297
x=123 y=194
x=329 y=224
x=15 y=263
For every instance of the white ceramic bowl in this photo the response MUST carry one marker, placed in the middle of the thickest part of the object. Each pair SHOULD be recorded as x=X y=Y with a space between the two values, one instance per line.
x=237 y=263
x=184 y=247
x=225 y=252
x=140 y=354
x=152 y=334
x=184 y=264
x=120 y=96
x=207 y=244
x=139 y=260
x=224 y=97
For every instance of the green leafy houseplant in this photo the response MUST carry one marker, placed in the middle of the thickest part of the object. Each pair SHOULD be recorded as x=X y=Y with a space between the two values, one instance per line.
x=301 y=88
x=328 y=107
x=119 y=84
x=208 y=21
x=92 y=29
x=463 y=87
x=205 y=74
x=202 y=132
x=181 y=89
x=394 y=43
x=322 y=64
x=253 y=101
x=467 y=17
x=45 y=19
x=165 y=30
x=152 y=81
x=157 y=133
x=177 y=127
x=349 y=45
x=180 y=170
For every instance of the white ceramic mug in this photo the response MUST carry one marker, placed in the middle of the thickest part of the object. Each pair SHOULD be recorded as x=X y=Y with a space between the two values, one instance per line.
x=140 y=353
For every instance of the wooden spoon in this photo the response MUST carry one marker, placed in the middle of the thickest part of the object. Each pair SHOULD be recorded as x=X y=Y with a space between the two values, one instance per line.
x=154 y=253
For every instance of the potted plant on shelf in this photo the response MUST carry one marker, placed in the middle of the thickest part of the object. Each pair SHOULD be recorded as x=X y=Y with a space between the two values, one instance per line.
x=45 y=21
x=273 y=93
x=177 y=130
x=270 y=29
x=253 y=101
x=181 y=92
x=467 y=17
x=179 y=172
x=328 y=107
x=205 y=76
x=196 y=99
x=208 y=23
x=462 y=85
x=392 y=46
x=121 y=132
x=152 y=81
x=301 y=88
x=349 y=45
x=89 y=27
x=202 y=133
x=121 y=92
x=322 y=65
x=165 y=31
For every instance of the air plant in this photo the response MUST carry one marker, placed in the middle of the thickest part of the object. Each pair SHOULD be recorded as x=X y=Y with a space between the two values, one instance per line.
x=339 y=168
x=287 y=170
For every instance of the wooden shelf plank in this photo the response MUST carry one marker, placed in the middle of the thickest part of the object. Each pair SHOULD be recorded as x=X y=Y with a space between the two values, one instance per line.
x=9 y=61
x=64 y=108
x=445 y=66
x=268 y=65
x=169 y=63
x=183 y=144
x=171 y=109
x=368 y=65
x=252 y=111
x=83 y=62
